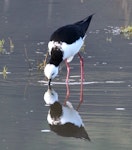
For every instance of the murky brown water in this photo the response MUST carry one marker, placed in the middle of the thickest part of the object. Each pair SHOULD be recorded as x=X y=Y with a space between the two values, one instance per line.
x=107 y=106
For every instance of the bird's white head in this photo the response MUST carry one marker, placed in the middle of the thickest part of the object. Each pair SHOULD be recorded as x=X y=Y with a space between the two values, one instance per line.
x=50 y=96
x=51 y=71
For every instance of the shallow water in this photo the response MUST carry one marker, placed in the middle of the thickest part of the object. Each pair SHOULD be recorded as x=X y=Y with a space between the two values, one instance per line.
x=107 y=95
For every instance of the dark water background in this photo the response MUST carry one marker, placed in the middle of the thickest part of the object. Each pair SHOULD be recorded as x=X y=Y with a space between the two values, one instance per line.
x=107 y=107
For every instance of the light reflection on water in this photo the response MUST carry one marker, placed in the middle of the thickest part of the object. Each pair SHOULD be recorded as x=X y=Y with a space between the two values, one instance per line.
x=64 y=119
x=105 y=118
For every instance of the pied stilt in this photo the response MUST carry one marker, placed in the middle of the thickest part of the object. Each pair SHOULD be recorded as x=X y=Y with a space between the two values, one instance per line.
x=64 y=43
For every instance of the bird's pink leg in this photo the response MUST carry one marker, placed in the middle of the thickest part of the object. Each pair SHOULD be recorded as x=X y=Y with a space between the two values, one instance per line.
x=81 y=96
x=67 y=93
x=68 y=71
x=82 y=67
x=82 y=79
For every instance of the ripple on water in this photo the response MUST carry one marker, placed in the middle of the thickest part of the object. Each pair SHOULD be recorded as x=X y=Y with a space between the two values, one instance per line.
x=85 y=83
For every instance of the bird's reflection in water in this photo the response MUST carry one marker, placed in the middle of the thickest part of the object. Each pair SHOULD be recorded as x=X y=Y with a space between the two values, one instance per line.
x=64 y=119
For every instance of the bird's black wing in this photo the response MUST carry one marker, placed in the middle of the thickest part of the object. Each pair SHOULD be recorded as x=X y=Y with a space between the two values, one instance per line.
x=68 y=34
x=84 y=24
x=71 y=33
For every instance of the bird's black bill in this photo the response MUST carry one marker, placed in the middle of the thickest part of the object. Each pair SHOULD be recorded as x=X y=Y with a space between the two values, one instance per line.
x=49 y=81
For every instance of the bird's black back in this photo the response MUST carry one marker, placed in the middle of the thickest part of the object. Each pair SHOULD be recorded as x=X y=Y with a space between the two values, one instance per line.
x=71 y=33
x=68 y=34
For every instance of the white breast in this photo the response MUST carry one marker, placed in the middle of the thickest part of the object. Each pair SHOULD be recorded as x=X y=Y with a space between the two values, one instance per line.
x=69 y=49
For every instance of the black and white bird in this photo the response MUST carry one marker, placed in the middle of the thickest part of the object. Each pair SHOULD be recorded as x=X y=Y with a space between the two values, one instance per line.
x=64 y=44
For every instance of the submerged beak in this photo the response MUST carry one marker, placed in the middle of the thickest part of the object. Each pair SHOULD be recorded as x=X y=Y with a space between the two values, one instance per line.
x=49 y=81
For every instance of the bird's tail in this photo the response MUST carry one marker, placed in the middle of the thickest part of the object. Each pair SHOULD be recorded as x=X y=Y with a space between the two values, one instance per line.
x=84 y=24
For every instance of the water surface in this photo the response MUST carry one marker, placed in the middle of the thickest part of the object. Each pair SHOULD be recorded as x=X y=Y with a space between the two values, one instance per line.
x=107 y=106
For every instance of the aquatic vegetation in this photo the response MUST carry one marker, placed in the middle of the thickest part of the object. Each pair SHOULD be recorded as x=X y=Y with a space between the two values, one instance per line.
x=42 y=65
x=109 y=39
x=83 y=48
x=3 y=50
x=126 y=31
x=45 y=60
x=4 y=72
x=11 y=44
x=28 y=60
x=2 y=46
